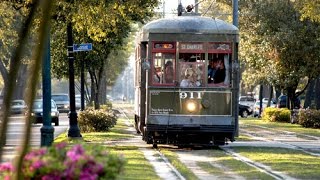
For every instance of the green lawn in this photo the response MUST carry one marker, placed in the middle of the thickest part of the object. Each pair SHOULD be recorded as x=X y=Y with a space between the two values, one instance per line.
x=294 y=163
x=280 y=126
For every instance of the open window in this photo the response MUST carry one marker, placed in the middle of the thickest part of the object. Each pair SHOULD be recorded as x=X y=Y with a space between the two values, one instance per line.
x=163 y=71
x=191 y=64
x=219 y=58
x=163 y=63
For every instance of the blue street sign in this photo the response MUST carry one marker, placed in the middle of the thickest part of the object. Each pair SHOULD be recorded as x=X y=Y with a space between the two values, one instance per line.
x=82 y=47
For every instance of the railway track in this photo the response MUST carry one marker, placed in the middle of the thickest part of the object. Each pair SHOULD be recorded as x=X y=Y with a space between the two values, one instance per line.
x=190 y=158
x=161 y=164
x=303 y=142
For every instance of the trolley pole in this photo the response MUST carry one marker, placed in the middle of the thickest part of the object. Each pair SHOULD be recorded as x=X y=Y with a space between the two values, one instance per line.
x=235 y=17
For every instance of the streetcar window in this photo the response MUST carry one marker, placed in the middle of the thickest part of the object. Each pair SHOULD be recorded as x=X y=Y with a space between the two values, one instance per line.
x=218 y=70
x=191 y=74
x=163 y=71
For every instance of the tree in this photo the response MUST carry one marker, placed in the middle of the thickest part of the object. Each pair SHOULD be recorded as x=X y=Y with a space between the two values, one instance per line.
x=10 y=22
x=269 y=49
x=105 y=24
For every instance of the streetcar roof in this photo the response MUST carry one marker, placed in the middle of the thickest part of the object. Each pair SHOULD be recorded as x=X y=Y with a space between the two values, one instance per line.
x=190 y=24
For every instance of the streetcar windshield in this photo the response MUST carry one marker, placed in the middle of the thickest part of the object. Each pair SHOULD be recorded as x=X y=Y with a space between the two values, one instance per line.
x=192 y=74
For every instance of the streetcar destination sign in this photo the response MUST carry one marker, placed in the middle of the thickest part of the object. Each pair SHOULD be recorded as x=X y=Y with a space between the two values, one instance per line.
x=82 y=47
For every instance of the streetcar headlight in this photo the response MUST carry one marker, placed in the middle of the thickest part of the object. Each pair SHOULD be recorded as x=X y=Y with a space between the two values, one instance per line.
x=191 y=106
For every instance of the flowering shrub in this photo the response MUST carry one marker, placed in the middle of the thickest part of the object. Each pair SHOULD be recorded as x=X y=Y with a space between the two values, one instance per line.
x=62 y=162
x=96 y=120
x=309 y=118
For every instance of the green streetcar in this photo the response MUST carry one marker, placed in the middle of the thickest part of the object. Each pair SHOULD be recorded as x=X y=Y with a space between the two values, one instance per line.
x=187 y=81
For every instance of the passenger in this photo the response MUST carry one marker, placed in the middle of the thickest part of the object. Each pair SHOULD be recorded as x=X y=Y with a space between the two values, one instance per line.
x=220 y=73
x=156 y=76
x=190 y=79
x=168 y=72
x=185 y=82
x=212 y=68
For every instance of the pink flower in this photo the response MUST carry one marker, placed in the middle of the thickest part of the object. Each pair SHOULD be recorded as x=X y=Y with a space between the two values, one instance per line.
x=61 y=145
x=38 y=164
x=75 y=152
x=35 y=153
x=6 y=167
x=51 y=177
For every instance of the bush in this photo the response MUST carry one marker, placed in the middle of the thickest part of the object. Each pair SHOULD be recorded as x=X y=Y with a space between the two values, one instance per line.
x=92 y=120
x=276 y=114
x=62 y=162
x=309 y=118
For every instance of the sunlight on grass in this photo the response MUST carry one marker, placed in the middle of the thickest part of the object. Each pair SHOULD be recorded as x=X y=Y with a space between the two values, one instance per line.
x=174 y=160
x=281 y=126
x=236 y=166
x=137 y=167
x=206 y=166
x=292 y=162
x=244 y=138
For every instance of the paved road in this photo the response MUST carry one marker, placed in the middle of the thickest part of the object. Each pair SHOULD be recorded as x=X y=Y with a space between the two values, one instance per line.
x=15 y=134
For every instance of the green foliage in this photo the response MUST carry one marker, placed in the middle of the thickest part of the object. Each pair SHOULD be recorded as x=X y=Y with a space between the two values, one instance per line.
x=310 y=9
x=269 y=53
x=309 y=118
x=276 y=114
x=92 y=120
x=106 y=24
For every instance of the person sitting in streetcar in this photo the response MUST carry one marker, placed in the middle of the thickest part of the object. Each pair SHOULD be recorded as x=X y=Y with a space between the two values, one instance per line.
x=220 y=73
x=168 y=72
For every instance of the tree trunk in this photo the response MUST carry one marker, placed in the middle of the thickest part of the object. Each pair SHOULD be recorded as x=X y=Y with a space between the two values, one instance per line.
x=21 y=82
x=290 y=97
x=93 y=88
x=270 y=96
x=309 y=94
x=317 y=93
x=4 y=73
x=278 y=93
x=103 y=86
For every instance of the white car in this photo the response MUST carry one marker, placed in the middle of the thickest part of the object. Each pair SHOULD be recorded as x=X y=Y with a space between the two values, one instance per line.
x=18 y=106
x=247 y=101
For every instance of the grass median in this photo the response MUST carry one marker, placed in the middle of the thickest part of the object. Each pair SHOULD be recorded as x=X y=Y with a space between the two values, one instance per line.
x=296 y=128
x=137 y=166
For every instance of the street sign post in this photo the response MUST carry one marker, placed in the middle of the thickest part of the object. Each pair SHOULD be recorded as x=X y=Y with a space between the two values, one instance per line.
x=82 y=47
x=78 y=48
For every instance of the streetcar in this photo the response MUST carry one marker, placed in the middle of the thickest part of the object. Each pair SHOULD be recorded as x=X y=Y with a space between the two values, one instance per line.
x=187 y=81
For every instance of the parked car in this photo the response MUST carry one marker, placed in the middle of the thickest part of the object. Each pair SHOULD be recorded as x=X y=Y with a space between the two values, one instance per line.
x=37 y=112
x=247 y=101
x=282 y=102
x=245 y=111
x=18 y=106
x=62 y=101
x=78 y=101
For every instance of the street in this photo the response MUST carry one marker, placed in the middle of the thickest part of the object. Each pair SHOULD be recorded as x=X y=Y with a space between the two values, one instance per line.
x=15 y=134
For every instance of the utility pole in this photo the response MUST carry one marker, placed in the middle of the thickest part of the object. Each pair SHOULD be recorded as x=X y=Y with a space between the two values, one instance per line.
x=46 y=130
x=235 y=56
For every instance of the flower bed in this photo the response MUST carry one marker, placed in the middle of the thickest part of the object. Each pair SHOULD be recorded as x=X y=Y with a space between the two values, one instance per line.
x=67 y=162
